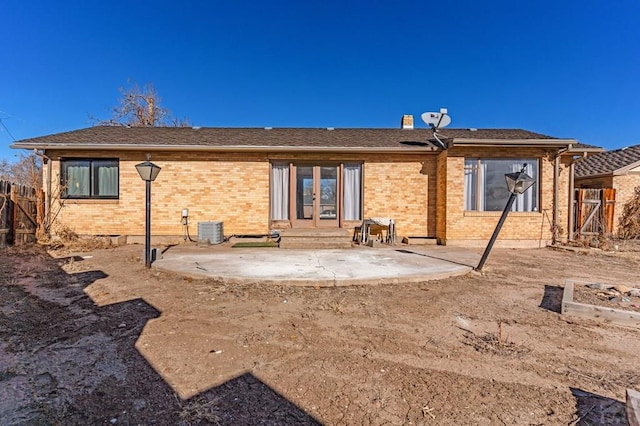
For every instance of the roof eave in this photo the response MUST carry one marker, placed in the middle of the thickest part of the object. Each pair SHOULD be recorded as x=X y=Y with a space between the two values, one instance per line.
x=513 y=142
x=227 y=148
x=596 y=175
x=624 y=170
x=576 y=150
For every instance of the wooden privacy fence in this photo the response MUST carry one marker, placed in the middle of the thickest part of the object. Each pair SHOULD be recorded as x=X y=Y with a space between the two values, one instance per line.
x=21 y=213
x=594 y=212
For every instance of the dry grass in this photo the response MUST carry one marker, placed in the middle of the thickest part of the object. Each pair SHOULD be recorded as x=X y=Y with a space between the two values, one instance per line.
x=68 y=241
x=629 y=225
x=494 y=343
x=200 y=411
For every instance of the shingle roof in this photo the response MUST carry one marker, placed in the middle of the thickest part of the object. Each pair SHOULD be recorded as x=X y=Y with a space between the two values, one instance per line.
x=218 y=137
x=608 y=162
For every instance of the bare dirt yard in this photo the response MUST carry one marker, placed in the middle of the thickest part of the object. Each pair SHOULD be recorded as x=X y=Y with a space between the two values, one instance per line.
x=93 y=338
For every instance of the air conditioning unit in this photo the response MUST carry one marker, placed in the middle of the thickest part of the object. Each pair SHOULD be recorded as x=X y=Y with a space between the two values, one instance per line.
x=212 y=231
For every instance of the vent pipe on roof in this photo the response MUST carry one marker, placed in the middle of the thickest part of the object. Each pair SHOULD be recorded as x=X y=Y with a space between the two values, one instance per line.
x=407 y=121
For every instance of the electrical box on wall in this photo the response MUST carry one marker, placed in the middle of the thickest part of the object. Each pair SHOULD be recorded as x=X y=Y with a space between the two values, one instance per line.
x=212 y=231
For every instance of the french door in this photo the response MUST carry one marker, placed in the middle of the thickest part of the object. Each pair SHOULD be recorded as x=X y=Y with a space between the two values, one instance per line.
x=315 y=195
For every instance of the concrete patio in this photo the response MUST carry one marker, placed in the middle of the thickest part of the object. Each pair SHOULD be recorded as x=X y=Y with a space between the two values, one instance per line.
x=331 y=267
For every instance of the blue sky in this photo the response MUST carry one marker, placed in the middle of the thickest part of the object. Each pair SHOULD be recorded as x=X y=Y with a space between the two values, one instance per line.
x=563 y=68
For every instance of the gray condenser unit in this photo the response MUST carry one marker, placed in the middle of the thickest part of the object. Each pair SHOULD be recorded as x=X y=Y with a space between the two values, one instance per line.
x=211 y=231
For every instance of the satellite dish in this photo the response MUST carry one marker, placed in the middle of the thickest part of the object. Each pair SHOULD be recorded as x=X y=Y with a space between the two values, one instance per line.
x=436 y=120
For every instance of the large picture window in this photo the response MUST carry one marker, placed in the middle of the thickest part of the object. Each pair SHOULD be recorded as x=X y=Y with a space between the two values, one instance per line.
x=485 y=188
x=90 y=178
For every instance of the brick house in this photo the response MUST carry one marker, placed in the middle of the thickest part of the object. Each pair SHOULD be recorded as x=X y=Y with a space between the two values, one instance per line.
x=256 y=180
x=618 y=169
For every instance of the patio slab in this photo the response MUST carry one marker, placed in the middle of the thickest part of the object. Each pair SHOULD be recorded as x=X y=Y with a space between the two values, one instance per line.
x=339 y=267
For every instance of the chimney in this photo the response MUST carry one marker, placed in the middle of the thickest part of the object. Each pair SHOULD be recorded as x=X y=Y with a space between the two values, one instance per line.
x=407 y=121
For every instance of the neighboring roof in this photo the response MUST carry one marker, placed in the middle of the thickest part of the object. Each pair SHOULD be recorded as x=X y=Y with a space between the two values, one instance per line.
x=281 y=139
x=614 y=162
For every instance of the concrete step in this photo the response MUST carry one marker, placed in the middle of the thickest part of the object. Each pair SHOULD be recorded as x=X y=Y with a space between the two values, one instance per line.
x=315 y=239
x=294 y=243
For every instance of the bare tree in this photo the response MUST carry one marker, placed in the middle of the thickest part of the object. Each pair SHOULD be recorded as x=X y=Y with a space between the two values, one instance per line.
x=629 y=223
x=4 y=170
x=26 y=171
x=141 y=108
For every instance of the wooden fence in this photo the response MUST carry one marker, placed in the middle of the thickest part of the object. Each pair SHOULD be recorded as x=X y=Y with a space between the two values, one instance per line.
x=21 y=213
x=594 y=212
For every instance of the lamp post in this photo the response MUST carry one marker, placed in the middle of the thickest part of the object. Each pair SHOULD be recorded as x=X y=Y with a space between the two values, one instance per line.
x=148 y=173
x=517 y=183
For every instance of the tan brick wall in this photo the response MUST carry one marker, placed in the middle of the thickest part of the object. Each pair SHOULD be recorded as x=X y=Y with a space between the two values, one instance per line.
x=520 y=229
x=423 y=193
x=398 y=186
x=229 y=188
x=441 y=197
x=234 y=188
x=403 y=189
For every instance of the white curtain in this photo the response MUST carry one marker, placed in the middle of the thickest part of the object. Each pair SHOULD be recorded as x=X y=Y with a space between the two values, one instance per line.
x=470 y=184
x=107 y=181
x=280 y=191
x=482 y=187
x=78 y=181
x=525 y=202
x=352 y=191
x=474 y=184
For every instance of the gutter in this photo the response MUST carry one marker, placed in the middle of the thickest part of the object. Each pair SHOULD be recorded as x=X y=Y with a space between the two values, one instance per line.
x=513 y=142
x=227 y=148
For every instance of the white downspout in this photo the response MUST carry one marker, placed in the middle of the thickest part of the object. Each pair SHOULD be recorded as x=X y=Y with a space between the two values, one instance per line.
x=556 y=191
x=46 y=176
x=571 y=199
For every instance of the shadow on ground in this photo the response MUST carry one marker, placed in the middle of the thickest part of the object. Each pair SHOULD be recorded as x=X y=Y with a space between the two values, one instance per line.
x=552 y=298
x=593 y=409
x=444 y=258
x=63 y=360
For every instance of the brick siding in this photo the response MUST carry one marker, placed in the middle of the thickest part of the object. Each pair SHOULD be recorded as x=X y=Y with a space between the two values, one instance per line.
x=470 y=228
x=423 y=192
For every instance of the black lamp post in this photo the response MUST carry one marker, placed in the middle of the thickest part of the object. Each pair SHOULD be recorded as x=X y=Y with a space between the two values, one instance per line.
x=148 y=172
x=517 y=183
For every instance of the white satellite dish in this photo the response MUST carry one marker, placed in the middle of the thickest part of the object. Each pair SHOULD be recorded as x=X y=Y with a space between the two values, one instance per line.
x=436 y=120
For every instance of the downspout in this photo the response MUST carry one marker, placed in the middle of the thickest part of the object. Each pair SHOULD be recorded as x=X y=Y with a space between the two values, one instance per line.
x=46 y=162
x=556 y=192
x=572 y=200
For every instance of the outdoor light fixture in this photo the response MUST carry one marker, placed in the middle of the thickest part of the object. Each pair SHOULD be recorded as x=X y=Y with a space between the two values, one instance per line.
x=517 y=183
x=148 y=172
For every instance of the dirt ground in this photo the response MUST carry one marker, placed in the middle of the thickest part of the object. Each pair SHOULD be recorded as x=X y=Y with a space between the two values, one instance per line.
x=94 y=338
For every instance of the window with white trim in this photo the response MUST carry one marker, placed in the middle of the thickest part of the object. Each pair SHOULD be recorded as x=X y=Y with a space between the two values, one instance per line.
x=485 y=187
x=90 y=178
